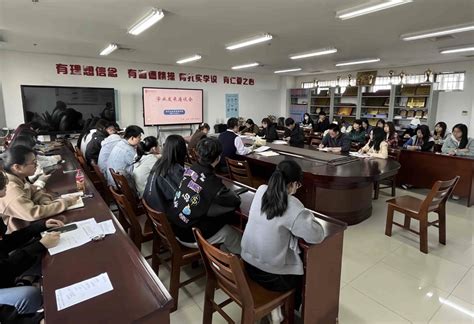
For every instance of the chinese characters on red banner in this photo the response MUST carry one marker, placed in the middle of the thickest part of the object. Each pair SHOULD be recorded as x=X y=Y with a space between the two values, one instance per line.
x=112 y=72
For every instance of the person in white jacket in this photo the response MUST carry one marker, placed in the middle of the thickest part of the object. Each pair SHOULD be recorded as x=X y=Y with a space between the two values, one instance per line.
x=147 y=156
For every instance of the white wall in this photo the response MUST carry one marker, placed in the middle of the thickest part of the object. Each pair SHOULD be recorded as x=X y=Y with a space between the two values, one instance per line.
x=450 y=104
x=19 y=68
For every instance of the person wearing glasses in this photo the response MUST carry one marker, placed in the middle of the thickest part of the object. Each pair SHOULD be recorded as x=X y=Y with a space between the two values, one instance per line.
x=23 y=202
x=277 y=220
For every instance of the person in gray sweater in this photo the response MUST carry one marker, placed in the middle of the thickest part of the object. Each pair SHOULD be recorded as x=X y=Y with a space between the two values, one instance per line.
x=277 y=220
x=458 y=143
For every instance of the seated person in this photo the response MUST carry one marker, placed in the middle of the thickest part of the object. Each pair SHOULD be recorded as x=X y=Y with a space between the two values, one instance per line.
x=366 y=126
x=357 y=134
x=307 y=121
x=122 y=156
x=380 y=123
x=200 y=133
x=280 y=123
x=204 y=202
x=391 y=135
x=440 y=134
x=166 y=174
x=335 y=140
x=294 y=134
x=90 y=127
x=23 y=202
x=106 y=148
x=322 y=124
x=377 y=145
x=20 y=253
x=411 y=130
x=147 y=155
x=458 y=143
x=250 y=128
x=269 y=130
x=422 y=141
x=104 y=129
x=232 y=144
x=277 y=219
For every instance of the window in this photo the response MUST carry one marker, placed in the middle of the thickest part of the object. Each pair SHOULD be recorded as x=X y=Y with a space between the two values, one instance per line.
x=450 y=81
x=307 y=85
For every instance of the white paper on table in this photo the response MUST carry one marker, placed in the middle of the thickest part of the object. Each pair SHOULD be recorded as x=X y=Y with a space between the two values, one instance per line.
x=324 y=149
x=107 y=227
x=82 y=291
x=261 y=149
x=80 y=202
x=269 y=153
x=90 y=227
x=360 y=155
x=73 y=194
x=70 y=240
x=279 y=142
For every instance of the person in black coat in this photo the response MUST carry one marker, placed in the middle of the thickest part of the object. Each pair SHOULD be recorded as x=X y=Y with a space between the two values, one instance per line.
x=322 y=124
x=269 y=130
x=21 y=251
x=104 y=129
x=294 y=134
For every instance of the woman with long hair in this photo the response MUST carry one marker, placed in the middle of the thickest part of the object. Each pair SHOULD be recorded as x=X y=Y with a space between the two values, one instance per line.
x=307 y=121
x=200 y=133
x=459 y=143
x=377 y=145
x=440 y=133
x=277 y=220
x=422 y=141
x=147 y=155
x=391 y=135
x=25 y=203
x=166 y=174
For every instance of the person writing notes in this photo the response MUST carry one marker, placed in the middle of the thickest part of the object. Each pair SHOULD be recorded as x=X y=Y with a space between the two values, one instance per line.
x=294 y=134
x=269 y=130
x=422 y=141
x=377 y=145
x=335 y=140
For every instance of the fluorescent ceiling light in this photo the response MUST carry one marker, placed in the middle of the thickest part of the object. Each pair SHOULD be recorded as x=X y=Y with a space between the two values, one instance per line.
x=109 y=49
x=363 y=61
x=289 y=70
x=467 y=48
x=251 y=41
x=438 y=32
x=319 y=52
x=238 y=67
x=189 y=59
x=368 y=8
x=147 y=21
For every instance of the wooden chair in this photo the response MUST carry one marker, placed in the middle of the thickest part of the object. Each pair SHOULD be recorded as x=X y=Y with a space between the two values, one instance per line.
x=180 y=255
x=140 y=228
x=226 y=271
x=240 y=171
x=123 y=187
x=315 y=142
x=82 y=161
x=390 y=182
x=418 y=209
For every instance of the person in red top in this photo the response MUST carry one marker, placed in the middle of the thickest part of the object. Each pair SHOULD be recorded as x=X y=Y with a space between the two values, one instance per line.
x=391 y=135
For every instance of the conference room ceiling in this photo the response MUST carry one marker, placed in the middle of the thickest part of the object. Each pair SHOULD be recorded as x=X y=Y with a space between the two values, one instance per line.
x=205 y=27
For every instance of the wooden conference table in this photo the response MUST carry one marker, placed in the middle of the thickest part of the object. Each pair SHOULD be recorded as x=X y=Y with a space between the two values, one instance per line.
x=423 y=169
x=138 y=295
x=336 y=185
x=322 y=263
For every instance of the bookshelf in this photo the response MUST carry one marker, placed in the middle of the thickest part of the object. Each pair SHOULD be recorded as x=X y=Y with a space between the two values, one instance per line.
x=375 y=104
x=299 y=99
x=320 y=100
x=346 y=103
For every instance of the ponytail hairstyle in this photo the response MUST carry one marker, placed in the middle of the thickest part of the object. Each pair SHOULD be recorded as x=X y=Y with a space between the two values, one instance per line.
x=15 y=155
x=275 y=199
x=464 y=140
x=145 y=146
x=378 y=136
x=203 y=126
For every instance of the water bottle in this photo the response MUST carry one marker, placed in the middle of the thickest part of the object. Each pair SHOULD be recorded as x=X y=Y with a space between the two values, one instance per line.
x=80 y=181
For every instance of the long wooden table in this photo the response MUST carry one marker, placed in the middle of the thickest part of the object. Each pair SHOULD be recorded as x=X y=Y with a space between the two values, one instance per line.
x=138 y=295
x=423 y=169
x=322 y=263
x=336 y=185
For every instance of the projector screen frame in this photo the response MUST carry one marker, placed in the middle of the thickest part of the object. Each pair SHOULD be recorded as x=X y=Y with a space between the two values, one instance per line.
x=54 y=133
x=174 y=124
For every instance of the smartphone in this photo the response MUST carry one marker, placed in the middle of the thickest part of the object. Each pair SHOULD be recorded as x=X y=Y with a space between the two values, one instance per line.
x=64 y=229
x=50 y=169
x=241 y=191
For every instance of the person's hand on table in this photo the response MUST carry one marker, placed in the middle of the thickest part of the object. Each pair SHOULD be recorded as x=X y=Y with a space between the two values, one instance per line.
x=321 y=146
x=50 y=240
x=452 y=153
x=287 y=138
x=44 y=177
x=51 y=223
x=70 y=201
x=412 y=148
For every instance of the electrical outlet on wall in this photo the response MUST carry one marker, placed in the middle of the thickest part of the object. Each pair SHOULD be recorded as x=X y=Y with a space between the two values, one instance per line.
x=464 y=113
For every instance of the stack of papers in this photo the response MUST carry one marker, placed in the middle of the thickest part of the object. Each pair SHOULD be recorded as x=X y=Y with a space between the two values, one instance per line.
x=269 y=153
x=261 y=149
x=82 y=291
x=279 y=142
x=360 y=155
x=87 y=230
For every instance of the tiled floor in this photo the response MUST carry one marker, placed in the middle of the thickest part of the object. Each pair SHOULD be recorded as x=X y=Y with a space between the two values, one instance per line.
x=387 y=280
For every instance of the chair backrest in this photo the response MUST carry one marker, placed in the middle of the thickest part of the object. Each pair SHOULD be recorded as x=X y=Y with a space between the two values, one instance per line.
x=123 y=187
x=439 y=194
x=82 y=161
x=226 y=269
x=127 y=210
x=162 y=228
x=99 y=173
x=315 y=142
x=240 y=171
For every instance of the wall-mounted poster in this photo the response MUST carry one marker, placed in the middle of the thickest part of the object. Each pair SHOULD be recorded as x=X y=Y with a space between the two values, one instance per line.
x=231 y=105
